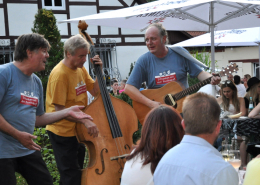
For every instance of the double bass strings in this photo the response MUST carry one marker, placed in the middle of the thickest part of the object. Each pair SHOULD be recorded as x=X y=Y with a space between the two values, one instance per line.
x=112 y=119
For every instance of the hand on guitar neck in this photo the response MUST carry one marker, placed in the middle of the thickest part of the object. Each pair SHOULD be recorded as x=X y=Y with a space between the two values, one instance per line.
x=215 y=80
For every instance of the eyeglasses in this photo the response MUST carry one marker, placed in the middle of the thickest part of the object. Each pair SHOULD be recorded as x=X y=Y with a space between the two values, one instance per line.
x=227 y=82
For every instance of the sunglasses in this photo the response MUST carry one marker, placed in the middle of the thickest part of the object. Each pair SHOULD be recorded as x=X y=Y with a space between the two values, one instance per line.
x=227 y=82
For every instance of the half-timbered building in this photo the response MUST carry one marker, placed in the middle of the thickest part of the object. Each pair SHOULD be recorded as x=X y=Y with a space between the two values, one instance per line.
x=118 y=47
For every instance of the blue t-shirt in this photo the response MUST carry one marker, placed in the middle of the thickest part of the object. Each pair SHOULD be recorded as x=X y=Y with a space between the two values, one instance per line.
x=157 y=72
x=21 y=99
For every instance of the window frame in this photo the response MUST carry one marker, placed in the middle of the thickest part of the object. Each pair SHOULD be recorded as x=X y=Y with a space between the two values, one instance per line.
x=53 y=7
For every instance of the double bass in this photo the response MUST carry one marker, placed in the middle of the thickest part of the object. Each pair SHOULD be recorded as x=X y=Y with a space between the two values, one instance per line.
x=116 y=121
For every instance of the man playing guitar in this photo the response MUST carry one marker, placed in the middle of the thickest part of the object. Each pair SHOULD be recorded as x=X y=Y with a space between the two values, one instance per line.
x=159 y=66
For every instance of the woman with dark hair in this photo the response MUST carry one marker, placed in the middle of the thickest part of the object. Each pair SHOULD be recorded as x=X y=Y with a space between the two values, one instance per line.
x=253 y=91
x=229 y=101
x=161 y=131
x=241 y=90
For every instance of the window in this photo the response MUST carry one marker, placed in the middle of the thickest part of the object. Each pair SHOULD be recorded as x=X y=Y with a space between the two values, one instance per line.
x=53 y=4
x=6 y=54
x=107 y=53
x=256 y=70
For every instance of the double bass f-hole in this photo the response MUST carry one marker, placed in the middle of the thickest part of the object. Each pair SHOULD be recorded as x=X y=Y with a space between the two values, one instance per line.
x=102 y=162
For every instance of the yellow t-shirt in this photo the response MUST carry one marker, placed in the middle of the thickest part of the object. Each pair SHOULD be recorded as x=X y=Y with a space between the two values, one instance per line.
x=252 y=173
x=67 y=87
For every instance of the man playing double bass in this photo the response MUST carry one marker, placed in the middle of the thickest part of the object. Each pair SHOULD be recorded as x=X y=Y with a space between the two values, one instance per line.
x=68 y=84
x=161 y=61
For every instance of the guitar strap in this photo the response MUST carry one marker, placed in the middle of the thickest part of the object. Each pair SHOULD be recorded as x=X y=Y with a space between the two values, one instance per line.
x=183 y=52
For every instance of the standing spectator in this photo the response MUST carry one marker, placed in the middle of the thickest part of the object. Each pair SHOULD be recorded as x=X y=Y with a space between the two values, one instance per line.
x=245 y=79
x=22 y=108
x=241 y=90
x=114 y=86
x=68 y=84
x=195 y=161
x=143 y=86
x=230 y=77
x=162 y=130
x=122 y=86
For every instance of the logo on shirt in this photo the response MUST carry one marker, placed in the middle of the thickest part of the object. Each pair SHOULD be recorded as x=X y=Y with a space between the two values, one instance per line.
x=165 y=77
x=81 y=88
x=28 y=98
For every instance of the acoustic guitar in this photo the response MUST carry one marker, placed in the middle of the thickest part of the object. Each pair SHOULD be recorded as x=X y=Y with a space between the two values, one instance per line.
x=173 y=94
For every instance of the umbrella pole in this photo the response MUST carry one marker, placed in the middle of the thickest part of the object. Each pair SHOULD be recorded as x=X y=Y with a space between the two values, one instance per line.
x=259 y=61
x=212 y=36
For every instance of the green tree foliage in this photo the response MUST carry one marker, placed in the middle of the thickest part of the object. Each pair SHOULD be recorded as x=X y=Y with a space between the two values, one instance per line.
x=131 y=68
x=45 y=24
x=47 y=155
x=204 y=57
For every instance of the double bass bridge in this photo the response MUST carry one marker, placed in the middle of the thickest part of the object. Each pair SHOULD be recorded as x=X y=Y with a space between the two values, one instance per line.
x=119 y=157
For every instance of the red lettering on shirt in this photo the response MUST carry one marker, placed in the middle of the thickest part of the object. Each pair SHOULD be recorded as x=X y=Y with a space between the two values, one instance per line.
x=81 y=89
x=27 y=100
x=165 y=79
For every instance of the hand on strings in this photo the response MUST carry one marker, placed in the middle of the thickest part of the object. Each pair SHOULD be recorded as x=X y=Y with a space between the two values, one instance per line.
x=97 y=60
x=215 y=80
x=76 y=113
x=26 y=140
x=92 y=127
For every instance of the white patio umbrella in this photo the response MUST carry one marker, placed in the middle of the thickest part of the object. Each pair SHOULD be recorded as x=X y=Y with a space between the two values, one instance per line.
x=186 y=15
x=235 y=37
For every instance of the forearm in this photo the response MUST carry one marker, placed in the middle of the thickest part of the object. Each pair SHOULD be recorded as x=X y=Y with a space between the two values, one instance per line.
x=203 y=75
x=7 y=128
x=49 y=118
x=255 y=112
x=242 y=107
x=94 y=92
x=69 y=118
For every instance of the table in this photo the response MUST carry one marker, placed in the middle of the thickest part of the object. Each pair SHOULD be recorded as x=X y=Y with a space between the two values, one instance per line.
x=249 y=127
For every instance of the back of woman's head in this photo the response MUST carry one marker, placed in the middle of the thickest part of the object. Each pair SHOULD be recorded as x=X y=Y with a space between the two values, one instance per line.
x=161 y=131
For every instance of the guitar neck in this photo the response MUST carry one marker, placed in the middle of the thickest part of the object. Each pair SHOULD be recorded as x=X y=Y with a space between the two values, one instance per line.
x=192 y=89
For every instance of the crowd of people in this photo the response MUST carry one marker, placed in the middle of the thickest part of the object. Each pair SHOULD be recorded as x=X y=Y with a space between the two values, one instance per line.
x=174 y=148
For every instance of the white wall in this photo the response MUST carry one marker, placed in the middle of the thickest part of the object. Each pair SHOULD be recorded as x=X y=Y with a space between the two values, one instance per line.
x=106 y=30
x=2 y=22
x=20 y=18
x=128 y=2
x=127 y=55
x=79 y=11
x=238 y=53
x=83 y=0
x=109 y=3
x=63 y=28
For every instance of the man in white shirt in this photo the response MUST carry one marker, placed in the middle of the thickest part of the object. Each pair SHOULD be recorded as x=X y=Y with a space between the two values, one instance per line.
x=195 y=161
